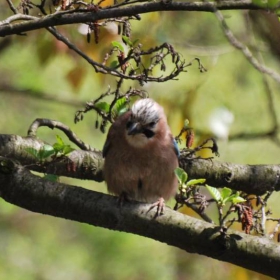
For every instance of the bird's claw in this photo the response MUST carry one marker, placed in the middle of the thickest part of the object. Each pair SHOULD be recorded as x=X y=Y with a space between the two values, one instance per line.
x=160 y=206
x=122 y=198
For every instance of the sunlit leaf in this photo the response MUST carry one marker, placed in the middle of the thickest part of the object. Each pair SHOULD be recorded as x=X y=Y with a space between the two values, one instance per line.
x=59 y=140
x=45 y=152
x=103 y=106
x=120 y=106
x=237 y=199
x=57 y=147
x=181 y=175
x=226 y=193
x=118 y=45
x=67 y=149
x=195 y=182
x=127 y=41
x=61 y=147
x=214 y=192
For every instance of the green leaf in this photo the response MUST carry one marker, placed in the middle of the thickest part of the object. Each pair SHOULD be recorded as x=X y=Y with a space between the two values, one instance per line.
x=67 y=149
x=226 y=193
x=181 y=175
x=127 y=41
x=195 y=182
x=214 y=193
x=114 y=64
x=58 y=147
x=238 y=199
x=120 y=106
x=118 y=45
x=32 y=152
x=103 y=106
x=61 y=147
x=59 y=140
x=45 y=152
x=51 y=177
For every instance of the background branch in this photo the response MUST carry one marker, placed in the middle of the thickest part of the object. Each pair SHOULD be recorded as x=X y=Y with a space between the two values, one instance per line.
x=85 y=16
x=244 y=49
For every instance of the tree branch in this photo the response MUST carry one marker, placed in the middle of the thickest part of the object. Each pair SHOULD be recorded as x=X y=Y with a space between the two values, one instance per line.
x=252 y=179
x=32 y=132
x=85 y=16
x=244 y=49
x=78 y=164
x=173 y=228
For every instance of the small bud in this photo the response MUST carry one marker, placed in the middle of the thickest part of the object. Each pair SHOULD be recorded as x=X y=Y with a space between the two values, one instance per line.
x=186 y=123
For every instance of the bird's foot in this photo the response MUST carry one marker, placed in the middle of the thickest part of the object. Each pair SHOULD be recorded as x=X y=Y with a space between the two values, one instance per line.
x=122 y=199
x=159 y=205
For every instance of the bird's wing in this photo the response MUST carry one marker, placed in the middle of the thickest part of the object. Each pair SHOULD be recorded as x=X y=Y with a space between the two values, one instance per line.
x=106 y=147
x=176 y=148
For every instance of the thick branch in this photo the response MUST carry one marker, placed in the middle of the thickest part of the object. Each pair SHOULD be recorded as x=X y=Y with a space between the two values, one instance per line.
x=252 y=179
x=85 y=16
x=18 y=186
x=77 y=164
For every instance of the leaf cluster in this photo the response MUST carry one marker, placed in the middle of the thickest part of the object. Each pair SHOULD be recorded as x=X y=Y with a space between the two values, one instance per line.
x=58 y=149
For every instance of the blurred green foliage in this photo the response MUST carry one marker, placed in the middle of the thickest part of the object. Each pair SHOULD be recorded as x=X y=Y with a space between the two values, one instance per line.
x=40 y=77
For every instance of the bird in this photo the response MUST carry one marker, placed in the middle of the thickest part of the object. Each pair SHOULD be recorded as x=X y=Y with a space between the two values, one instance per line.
x=141 y=155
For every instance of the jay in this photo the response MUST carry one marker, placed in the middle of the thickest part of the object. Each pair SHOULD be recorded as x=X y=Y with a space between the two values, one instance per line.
x=141 y=155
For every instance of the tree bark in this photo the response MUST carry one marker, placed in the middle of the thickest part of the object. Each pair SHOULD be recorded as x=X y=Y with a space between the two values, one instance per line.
x=18 y=186
x=252 y=179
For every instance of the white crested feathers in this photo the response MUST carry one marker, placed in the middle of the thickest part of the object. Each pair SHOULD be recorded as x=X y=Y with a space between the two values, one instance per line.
x=146 y=111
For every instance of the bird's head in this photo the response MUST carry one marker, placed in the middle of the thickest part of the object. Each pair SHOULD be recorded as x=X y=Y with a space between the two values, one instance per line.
x=143 y=123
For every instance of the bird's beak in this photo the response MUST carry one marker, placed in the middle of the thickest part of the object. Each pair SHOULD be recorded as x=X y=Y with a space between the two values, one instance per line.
x=134 y=129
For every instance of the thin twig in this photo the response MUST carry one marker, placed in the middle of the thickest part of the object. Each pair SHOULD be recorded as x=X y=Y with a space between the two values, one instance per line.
x=17 y=17
x=99 y=67
x=32 y=131
x=269 y=94
x=243 y=48
x=12 y=7
x=203 y=215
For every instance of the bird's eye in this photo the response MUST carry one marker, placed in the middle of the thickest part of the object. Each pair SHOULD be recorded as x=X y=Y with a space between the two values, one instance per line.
x=148 y=133
x=128 y=124
x=152 y=124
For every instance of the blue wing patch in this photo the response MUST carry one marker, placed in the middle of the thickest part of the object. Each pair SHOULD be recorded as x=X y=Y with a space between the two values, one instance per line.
x=176 y=148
